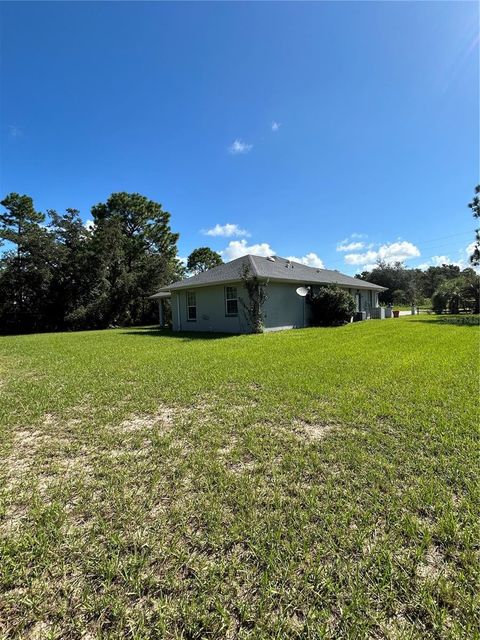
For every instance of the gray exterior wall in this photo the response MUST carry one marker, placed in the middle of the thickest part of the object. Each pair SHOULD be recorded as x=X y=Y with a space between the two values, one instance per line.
x=283 y=309
x=211 y=311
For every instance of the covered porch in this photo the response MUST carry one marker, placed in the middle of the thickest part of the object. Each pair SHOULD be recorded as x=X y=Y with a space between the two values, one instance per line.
x=163 y=298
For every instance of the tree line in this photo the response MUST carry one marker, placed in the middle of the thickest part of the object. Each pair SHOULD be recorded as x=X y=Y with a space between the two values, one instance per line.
x=57 y=274
x=444 y=288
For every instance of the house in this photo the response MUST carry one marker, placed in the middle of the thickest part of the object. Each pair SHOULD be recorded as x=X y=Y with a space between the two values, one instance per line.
x=215 y=299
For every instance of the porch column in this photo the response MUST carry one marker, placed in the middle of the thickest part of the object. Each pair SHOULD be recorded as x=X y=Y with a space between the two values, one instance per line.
x=160 y=313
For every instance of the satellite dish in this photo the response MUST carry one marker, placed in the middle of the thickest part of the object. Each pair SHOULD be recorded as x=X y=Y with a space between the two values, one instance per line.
x=302 y=291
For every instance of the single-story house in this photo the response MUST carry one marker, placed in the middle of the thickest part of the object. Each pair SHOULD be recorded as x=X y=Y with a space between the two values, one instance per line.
x=215 y=300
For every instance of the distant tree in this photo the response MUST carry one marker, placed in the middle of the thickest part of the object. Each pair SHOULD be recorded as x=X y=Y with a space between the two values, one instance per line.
x=202 y=259
x=433 y=277
x=332 y=306
x=401 y=297
x=439 y=301
x=475 y=207
x=409 y=286
x=458 y=294
x=471 y=290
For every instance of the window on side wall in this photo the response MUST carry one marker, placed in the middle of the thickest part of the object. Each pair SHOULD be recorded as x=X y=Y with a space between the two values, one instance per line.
x=191 y=306
x=231 y=301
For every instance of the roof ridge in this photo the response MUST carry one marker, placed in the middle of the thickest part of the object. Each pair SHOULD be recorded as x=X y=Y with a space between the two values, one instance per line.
x=252 y=264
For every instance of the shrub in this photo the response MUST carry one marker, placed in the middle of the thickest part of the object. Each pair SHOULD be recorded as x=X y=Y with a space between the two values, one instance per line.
x=331 y=306
x=253 y=307
x=401 y=297
x=439 y=301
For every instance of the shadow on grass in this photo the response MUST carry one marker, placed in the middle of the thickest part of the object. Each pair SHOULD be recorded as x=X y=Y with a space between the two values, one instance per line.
x=458 y=320
x=182 y=336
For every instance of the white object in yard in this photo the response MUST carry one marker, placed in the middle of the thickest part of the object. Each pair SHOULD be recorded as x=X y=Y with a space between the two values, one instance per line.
x=388 y=312
x=377 y=313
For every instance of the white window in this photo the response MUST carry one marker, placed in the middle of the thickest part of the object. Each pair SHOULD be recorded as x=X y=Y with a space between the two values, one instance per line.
x=191 y=306
x=231 y=301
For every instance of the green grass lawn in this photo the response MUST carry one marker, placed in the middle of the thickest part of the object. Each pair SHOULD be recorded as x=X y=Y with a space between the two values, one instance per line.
x=318 y=483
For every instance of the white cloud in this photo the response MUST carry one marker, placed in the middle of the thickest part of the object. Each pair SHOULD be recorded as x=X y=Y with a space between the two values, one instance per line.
x=361 y=258
x=310 y=260
x=183 y=260
x=351 y=246
x=434 y=261
x=238 y=146
x=463 y=261
x=275 y=125
x=469 y=249
x=400 y=251
x=353 y=242
x=239 y=248
x=437 y=261
x=89 y=225
x=14 y=131
x=369 y=267
x=389 y=253
x=226 y=230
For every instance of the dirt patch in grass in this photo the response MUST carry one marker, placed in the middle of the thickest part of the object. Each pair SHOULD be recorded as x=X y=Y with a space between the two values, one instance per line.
x=228 y=447
x=433 y=565
x=39 y=631
x=312 y=431
x=397 y=627
x=243 y=467
x=13 y=519
x=163 y=418
x=18 y=464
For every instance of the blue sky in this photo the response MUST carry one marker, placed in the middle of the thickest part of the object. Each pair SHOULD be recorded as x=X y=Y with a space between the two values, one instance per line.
x=336 y=132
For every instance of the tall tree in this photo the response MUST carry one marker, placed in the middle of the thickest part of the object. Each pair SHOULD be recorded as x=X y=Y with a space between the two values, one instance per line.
x=202 y=259
x=25 y=271
x=475 y=207
x=75 y=276
x=138 y=250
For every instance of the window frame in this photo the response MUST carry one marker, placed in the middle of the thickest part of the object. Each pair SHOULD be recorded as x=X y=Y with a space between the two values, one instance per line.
x=227 y=300
x=191 y=306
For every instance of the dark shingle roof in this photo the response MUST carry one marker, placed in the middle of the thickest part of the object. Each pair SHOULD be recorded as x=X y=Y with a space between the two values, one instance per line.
x=280 y=270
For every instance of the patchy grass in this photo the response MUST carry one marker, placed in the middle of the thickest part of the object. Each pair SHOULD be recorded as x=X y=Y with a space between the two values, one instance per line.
x=319 y=483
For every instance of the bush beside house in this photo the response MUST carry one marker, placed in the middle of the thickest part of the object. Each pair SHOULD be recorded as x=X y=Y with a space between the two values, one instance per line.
x=331 y=306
